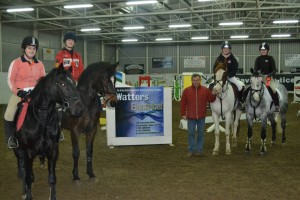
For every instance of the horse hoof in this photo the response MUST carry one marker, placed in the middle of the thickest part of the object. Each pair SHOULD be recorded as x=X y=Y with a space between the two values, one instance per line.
x=234 y=144
x=247 y=152
x=77 y=182
x=94 y=180
x=43 y=166
x=215 y=153
x=228 y=153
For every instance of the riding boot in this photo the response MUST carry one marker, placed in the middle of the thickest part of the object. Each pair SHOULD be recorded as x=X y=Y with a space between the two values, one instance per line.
x=10 y=139
x=276 y=101
x=240 y=99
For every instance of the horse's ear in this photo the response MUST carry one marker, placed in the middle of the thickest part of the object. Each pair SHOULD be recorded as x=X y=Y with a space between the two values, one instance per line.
x=115 y=66
x=60 y=67
x=252 y=71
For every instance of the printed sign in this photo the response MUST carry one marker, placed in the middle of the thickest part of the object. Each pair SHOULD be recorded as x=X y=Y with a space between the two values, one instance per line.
x=139 y=112
x=134 y=69
x=163 y=62
x=292 y=60
x=194 y=62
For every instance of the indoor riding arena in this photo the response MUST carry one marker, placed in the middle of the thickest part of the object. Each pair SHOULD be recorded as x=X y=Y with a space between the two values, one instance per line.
x=119 y=72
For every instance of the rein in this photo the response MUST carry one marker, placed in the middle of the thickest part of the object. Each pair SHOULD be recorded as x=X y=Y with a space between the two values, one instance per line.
x=224 y=89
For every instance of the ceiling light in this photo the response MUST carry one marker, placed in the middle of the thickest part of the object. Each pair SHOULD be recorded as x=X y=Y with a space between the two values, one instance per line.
x=230 y=23
x=179 y=25
x=285 y=21
x=130 y=40
x=90 y=29
x=133 y=27
x=203 y=0
x=163 y=39
x=239 y=36
x=19 y=10
x=199 y=38
x=78 y=6
x=281 y=35
x=139 y=2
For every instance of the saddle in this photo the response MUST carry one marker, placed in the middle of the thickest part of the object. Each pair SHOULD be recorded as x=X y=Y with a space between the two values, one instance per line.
x=235 y=90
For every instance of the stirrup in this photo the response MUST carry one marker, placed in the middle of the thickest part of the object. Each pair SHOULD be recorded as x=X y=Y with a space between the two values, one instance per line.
x=12 y=142
x=62 y=136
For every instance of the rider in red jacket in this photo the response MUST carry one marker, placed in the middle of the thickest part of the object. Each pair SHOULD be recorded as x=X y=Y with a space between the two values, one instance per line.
x=69 y=57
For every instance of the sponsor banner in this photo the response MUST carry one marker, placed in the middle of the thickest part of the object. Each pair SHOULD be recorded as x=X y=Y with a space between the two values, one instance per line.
x=194 y=62
x=134 y=69
x=292 y=60
x=139 y=112
x=162 y=62
x=285 y=79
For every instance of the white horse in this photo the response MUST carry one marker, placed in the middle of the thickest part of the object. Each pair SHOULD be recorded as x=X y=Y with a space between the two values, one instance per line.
x=224 y=106
x=260 y=107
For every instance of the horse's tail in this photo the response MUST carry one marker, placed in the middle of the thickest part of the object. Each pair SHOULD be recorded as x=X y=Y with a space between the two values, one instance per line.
x=278 y=123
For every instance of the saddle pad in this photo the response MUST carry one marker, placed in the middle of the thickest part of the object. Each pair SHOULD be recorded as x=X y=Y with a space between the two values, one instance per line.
x=22 y=115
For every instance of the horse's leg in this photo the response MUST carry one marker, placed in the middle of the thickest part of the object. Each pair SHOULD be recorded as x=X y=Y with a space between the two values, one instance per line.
x=228 y=121
x=217 y=134
x=236 y=123
x=250 y=131
x=76 y=154
x=52 y=159
x=89 y=152
x=263 y=135
x=283 y=126
x=273 y=126
x=29 y=176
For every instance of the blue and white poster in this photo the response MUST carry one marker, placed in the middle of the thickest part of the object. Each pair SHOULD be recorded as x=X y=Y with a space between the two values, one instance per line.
x=139 y=112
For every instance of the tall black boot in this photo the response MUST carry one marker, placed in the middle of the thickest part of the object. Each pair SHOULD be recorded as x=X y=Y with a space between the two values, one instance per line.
x=241 y=99
x=9 y=129
x=276 y=101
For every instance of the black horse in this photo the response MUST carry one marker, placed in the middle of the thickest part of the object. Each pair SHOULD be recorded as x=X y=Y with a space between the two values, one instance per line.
x=40 y=132
x=95 y=82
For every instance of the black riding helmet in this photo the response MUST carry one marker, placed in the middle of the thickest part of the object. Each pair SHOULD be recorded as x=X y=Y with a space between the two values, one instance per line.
x=264 y=45
x=226 y=44
x=70 y=35
x=30 y=41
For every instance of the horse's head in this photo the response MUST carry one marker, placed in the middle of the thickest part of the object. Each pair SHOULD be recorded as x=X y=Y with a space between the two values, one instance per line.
x=220 y=77
x=63 y=90
x=107 y=83
x=256 y=83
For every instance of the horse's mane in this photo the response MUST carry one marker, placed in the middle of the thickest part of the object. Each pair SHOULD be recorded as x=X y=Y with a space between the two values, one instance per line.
x=95 y=69
x=42 y=87
x=220 y=65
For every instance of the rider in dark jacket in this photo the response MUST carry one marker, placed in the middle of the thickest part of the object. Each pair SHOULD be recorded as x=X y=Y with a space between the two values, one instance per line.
x=228 y=58
x=266 y=65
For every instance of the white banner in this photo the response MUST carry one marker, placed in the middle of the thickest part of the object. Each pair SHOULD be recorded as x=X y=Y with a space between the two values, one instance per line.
x=194 y=62
x=292 y=60
x=297 y=89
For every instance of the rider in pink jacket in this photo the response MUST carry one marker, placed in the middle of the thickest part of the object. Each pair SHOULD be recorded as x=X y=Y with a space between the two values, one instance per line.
x=23 y=73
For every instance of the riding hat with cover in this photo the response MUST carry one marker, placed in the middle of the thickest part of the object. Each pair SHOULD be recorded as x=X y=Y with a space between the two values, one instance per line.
x=226 y=44
x=30 y=41
x=70 y=35
x=264 y=46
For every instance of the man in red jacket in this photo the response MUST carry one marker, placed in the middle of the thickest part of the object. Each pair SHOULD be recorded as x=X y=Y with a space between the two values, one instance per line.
x=69 y=57
x=193 y=108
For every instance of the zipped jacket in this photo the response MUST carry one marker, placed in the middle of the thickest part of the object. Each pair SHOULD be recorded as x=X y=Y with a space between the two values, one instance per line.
x=70 y=59
x=232 y=64
x=194 y=101
x=266 y=64
x=23 y=74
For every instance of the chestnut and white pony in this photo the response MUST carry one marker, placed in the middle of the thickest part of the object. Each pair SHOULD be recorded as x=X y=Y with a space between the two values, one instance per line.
x=224 y=106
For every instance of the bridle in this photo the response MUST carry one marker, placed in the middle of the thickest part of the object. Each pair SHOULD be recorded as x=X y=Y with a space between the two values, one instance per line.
x=223 y=83
x=260 y=93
